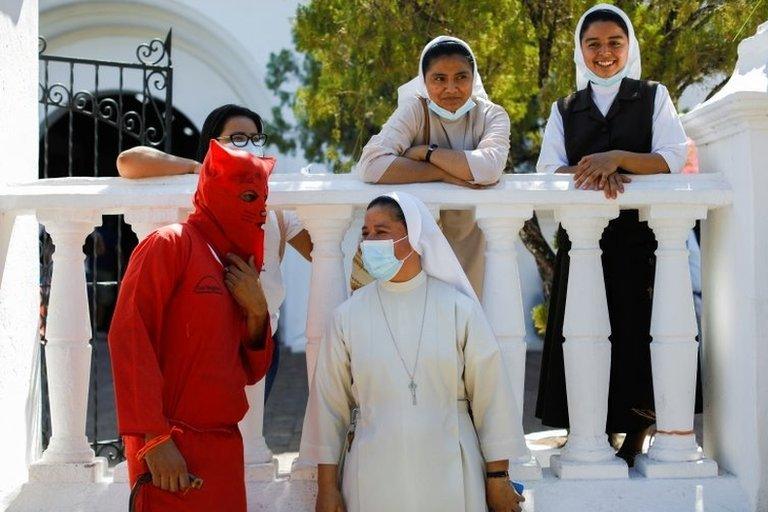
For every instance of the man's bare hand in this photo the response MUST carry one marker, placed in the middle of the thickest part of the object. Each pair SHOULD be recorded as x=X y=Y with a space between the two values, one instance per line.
x=242 y=280
x=168 y=467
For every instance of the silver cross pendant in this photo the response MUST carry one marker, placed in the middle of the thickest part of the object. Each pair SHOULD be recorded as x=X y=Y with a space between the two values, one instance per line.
x=412 y=386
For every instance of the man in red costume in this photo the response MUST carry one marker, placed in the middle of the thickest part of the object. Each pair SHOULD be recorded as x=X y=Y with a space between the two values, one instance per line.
x=190 y=330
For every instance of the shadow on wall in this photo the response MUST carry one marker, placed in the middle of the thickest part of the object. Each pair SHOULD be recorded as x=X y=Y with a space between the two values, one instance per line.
x=11 y=9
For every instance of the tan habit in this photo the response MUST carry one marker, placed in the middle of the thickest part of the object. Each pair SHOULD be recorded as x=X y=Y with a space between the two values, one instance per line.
x=483 y=135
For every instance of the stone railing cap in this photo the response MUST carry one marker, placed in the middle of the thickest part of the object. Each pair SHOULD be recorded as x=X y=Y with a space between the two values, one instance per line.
x=543 y=191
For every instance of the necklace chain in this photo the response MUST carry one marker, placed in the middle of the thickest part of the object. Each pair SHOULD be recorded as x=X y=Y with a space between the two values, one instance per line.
x=464 y=137
x=411 y=374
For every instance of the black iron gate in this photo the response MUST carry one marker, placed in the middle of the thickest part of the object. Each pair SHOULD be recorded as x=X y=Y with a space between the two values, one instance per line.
x=67 y=97
x=90 y=111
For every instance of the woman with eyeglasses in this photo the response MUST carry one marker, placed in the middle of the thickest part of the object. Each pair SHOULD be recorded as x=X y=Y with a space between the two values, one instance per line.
x=239 y=128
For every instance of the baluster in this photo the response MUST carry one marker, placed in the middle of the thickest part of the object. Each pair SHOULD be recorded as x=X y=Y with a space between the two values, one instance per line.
x=69 y=457
x=260 y=465
x=328 y=285
x=503 y=304
x=587 y=351
x=674 y=350
x=145 y=221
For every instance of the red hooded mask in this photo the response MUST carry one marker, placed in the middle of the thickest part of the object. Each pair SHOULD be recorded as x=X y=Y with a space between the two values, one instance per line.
x=231 y=202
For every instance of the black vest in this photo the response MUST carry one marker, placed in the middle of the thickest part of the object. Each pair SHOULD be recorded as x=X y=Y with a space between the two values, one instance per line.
x=627 y=126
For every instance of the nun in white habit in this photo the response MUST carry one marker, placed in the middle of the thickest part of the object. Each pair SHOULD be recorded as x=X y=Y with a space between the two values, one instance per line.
x=445 y=128
x=414 y=354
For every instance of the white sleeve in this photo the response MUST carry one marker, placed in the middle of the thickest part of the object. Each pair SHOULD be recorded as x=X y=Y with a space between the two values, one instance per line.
x=330 y=398
x=489 y=390
x=487 y=161
x=669 y=139
x=553 y=155
x=292 y=225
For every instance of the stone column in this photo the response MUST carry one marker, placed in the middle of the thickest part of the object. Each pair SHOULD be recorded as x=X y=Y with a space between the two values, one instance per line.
x=503 y=304
x=145 y=221
x=587 y=351
x=260 y=465
x=328 y=286
x=674 y=452
x=69 y=457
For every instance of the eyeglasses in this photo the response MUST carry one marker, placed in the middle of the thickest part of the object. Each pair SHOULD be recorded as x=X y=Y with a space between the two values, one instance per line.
x=240 y=139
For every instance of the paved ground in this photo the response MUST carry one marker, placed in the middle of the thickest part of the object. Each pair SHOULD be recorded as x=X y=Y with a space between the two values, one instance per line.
x=284 y=413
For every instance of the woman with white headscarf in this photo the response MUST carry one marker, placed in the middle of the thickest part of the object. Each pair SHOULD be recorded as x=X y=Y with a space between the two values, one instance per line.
x=615 y=125
x=414 y=354
x=444 y=129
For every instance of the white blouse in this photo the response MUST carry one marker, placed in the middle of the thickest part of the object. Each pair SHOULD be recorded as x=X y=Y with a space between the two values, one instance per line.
x=278 y=230
x=669 y=139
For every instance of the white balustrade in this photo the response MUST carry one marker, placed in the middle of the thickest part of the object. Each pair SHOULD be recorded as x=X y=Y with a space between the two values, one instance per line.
x=69 y=457
x=674 y=350
x=587 y=351
x=503 y=303
x=326 y=204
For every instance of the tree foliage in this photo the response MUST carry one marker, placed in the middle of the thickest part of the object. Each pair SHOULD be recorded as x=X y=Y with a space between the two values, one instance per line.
x=353 y=54
x=341 y=85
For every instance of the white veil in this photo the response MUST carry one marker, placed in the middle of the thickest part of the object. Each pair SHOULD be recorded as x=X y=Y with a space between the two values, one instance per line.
x=632 y=66
x=417 y=86
x=437 y=257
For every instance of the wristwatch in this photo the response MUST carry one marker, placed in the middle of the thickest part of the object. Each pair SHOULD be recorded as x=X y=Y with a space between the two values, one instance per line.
x=497 y=474
x=432 y=147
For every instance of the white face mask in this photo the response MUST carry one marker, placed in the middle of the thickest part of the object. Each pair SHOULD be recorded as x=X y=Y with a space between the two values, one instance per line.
x=452 y=116
x=605 y=82
x=249 y=148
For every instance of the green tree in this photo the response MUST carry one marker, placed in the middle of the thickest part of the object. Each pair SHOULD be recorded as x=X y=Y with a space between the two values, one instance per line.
x=353 y=54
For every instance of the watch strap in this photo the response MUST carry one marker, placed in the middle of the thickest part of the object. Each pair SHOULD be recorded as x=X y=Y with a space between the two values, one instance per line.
x=432 y=148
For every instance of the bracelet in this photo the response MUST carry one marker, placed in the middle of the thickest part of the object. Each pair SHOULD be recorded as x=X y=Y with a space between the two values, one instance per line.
x=432 y=148
x=497 y=474
x=155 y=442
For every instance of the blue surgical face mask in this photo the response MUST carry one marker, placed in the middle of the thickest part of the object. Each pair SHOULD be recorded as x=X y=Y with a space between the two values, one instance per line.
x=379 y=258
x=452 y=116
x=605 y=82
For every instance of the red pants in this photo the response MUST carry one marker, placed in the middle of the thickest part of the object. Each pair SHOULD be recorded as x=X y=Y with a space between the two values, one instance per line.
x=216 y=457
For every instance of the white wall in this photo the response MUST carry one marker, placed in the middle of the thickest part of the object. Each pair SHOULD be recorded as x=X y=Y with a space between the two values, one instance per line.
x=220 y=49
x=19 y=294
x=220 y=55
x=731 y=130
